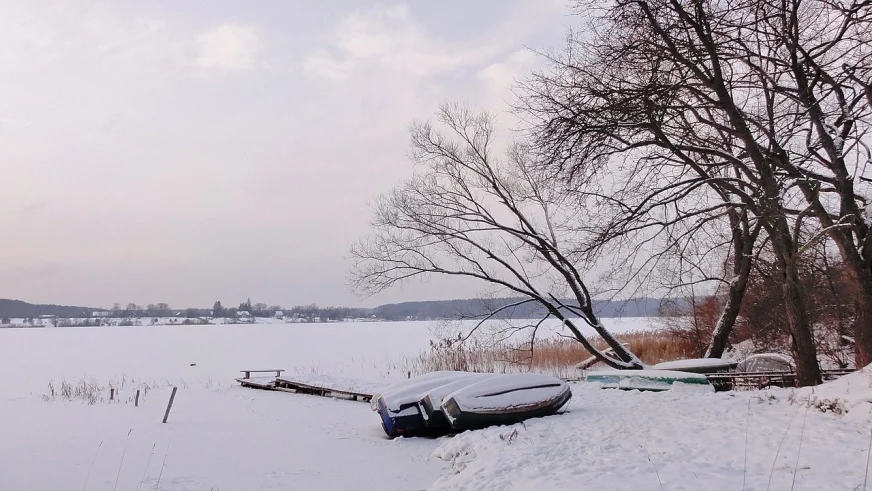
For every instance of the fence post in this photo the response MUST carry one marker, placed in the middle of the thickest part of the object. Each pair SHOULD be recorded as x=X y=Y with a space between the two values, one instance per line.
x=170 y=404
x=136 y=399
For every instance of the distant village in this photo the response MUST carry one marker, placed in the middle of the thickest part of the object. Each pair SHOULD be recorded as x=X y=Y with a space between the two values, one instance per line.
x=17 y=313
x=162 y=314
x=106 y=318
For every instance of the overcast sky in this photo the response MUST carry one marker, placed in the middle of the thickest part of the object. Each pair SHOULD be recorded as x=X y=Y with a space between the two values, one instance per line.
x=187 y=152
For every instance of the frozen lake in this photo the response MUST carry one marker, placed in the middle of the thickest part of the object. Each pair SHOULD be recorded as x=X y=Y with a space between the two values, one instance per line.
x=364 y=350
x=220 y=435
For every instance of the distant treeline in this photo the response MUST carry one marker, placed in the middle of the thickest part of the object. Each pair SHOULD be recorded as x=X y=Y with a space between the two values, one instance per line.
x=23 y=310
x=424 y=310
x=471 y=308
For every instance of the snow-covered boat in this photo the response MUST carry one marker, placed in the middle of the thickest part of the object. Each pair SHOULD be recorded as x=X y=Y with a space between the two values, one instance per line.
x=431 y=402
x=441 y=402
x=505 y=399
x=697 y=365
x=653 y=380
x=399 y=405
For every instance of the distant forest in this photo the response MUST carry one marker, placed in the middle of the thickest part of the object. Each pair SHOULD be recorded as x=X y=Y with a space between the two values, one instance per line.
x=424 y=310
x=643 y=307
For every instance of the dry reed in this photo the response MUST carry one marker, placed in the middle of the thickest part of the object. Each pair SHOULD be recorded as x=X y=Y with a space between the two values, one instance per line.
x=556 y=356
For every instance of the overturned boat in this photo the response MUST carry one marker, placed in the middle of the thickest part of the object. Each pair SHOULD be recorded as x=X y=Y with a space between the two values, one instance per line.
x=505 y=399
x=431 y=403
x=442 y=402
x=645 y=380
x=697 y=365
x=399 y=405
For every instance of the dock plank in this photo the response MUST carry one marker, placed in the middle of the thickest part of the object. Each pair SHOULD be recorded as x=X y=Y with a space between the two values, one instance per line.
x=325 y=385
x=268 y=383
x=317 y=384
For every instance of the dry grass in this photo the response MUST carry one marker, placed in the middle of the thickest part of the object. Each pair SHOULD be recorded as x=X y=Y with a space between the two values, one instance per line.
x=553 y=356
x=91 y=391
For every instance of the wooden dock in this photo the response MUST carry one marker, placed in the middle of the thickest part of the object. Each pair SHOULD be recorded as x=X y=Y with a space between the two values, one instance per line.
x=307 y=387
x=313 y=384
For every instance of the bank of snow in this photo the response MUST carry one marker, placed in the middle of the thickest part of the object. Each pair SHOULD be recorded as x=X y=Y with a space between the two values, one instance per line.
x=850 y=395
x=622 y=440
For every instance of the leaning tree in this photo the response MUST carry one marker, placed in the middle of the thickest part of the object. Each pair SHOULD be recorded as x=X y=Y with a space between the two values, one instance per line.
x=468 y=212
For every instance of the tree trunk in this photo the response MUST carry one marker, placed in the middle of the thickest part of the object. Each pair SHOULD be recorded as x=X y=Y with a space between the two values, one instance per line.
x=616 y=346
x=802 y=344
x=802 y=341
x=626 y=359
x=743 y=240
x=863 y=322
x=729 y=314
x=743 y=247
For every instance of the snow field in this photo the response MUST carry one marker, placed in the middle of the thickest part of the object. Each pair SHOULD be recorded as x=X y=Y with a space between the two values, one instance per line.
x=621 y=440
x=222 y=436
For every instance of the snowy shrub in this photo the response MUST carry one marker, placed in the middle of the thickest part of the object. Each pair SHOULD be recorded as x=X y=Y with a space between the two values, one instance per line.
x=833 y=405
x=767 y=398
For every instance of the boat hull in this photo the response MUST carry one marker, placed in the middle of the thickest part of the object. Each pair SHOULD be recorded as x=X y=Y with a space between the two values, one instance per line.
x=645 y=380
x=405 y=422
x=470 y=419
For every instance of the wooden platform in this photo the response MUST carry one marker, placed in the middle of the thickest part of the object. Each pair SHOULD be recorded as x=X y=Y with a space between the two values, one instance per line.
x=266 y=383
x=307 y=387
x=315 y=385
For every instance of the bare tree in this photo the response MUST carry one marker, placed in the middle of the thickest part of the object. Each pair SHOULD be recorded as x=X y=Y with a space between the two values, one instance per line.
x=467 y=213
x=132 y=309
x=814 y=58
x=690 y=93
x=163 y=309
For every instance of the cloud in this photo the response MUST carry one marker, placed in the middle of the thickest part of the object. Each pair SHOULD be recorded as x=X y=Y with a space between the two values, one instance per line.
x=91 y=38
x=499 y=78
x=389 y=38
x=229 y=47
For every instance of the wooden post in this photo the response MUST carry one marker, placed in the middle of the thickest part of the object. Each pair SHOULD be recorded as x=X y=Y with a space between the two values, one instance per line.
x=136 y=399
x=170 y=404
x=111 y=394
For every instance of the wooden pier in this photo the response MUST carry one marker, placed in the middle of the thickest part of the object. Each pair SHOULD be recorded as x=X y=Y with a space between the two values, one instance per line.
x=315 y=385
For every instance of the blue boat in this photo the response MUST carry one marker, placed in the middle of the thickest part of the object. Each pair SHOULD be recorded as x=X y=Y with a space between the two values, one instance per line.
x=399 y=405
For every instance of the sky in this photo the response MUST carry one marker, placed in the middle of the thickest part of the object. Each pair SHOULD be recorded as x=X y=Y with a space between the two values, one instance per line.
x=187 y=152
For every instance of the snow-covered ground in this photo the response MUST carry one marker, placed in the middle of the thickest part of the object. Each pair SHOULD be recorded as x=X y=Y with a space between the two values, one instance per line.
x=694 y=440
x=221 y=436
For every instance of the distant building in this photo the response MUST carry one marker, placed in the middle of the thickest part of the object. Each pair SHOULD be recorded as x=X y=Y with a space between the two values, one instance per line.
x=280 y=314
x=243 y=314
x=100 y=313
